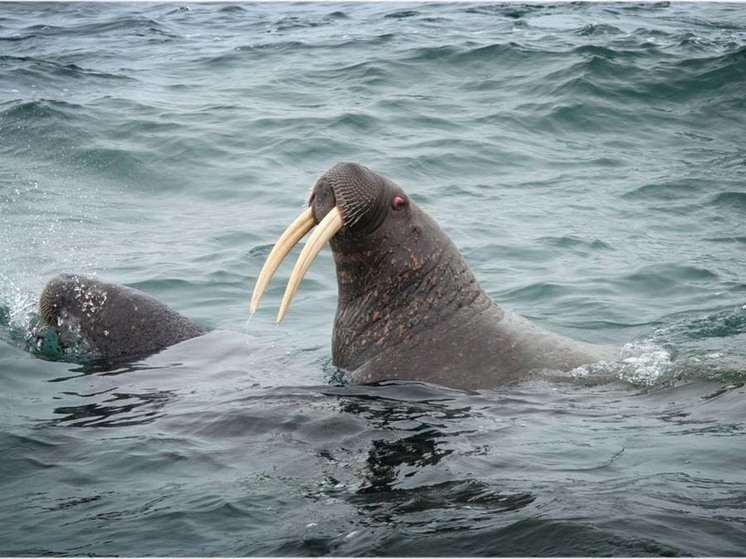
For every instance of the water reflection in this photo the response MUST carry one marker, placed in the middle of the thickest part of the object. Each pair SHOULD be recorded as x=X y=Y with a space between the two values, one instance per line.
x=105 y=394
x=387 y=458
x=471 y=494
x=413 y=427
x=117 y=409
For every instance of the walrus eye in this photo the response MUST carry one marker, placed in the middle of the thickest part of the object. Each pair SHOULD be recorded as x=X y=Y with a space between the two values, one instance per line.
x=398 y=202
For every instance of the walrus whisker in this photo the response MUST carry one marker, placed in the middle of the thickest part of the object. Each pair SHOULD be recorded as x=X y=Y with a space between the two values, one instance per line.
x=290 y=237
x=321 y=235
x=354 y=214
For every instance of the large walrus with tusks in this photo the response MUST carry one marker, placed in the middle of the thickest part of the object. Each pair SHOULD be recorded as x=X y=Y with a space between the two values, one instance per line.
x=409 y=306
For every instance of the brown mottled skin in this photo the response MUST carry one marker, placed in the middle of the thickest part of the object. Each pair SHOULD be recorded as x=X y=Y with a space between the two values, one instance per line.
x=410 y=307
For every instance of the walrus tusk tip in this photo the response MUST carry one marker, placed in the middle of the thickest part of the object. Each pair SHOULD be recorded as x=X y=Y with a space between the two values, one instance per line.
x=289 y=238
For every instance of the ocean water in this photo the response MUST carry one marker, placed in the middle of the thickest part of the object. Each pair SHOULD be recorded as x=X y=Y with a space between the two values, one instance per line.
x=588 y=159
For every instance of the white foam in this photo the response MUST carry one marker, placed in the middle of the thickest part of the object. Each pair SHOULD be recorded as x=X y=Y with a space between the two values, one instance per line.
x=642 y=363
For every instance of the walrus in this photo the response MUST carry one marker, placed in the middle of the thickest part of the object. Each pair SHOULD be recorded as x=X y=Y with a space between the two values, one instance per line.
x=409 y=306
x=105 y=320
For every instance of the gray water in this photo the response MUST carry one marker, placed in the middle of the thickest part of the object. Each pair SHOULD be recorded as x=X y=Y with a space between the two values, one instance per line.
x=588 y=160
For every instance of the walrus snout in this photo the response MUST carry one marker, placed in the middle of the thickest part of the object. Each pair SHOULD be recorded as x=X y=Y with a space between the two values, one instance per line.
x=48 y=304
x=363 y=197
x=353 y=189
x=55 y=295
x=323 y=199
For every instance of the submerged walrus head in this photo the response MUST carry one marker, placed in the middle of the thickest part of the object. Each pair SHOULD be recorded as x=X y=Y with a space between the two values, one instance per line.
x=104 y=320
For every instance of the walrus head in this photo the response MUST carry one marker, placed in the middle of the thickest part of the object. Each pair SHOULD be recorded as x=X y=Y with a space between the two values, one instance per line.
x=398 y=273
x=96 y=319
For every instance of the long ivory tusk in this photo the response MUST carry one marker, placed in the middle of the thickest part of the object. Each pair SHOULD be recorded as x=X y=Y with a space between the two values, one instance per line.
x=325 y=231
x=294 y=233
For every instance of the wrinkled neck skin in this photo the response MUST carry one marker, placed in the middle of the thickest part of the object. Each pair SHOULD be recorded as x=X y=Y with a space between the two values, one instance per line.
x=399 y=288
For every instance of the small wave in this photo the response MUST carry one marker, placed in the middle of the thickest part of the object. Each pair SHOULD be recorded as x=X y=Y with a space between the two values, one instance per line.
x=598 y=29
x=733 y=60
x=575 y=243
x=133 y=25
x=730 y=201
x=596 y=75
x=360 y=73
x=43 y=68
x=40 y=109
x=268 y=49
x=664 y=191
x=596 y=54
x=32 y=31
x=232 y=9
x=402 y=14
x=539 y=291
x=338 y=14
x=736 y=239
x=510 y=52
x=179 y=10
x=665 y=278
x=68 y=133
x=45 y=128
x=694 y=136
x=707 y=348
x=510 y=11
x=293 y=22
x=727 y=323
x=707 y=76
x=137 y=25
x=471 y=54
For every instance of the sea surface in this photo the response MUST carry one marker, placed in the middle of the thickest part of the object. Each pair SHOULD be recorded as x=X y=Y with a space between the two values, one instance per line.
x=588 y=159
